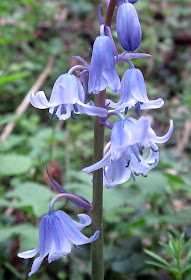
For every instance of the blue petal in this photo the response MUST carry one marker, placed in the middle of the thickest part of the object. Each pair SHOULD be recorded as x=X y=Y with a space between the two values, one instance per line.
x=143 y=131
x=137 y=85
x=65 y=90
x=152 y=104
x=98 y=165
x=85 y=221
x=60 y=245
x=28 y=254
x=165 y=138
x=117 y=173
x=128 y=27
x=120 y=139
x=63 y=115
x=44 y=244
x=72 y=232
x=91 y=110
x=102 y=71
x=39 y=100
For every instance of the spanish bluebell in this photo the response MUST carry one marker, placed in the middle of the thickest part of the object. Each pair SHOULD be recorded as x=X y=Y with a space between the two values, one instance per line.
x=133 y=91
x=129 y=138
x=102 y=72
x=128 y=27
x=67 y=97
x=56 y=233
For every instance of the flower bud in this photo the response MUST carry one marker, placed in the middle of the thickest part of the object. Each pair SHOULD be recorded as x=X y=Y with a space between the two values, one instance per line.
x=128 y=27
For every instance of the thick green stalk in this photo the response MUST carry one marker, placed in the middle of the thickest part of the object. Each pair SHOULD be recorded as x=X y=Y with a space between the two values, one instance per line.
x=97 y=206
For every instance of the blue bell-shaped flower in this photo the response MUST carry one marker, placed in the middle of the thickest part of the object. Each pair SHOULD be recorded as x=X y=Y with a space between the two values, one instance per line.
x=67 y=98
x=102 y=72
x=57 y=232
x=128 y=27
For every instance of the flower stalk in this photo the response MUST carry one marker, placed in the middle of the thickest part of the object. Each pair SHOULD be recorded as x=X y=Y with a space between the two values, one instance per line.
x=97 y=205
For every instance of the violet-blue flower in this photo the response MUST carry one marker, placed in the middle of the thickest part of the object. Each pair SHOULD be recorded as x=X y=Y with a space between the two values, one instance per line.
x=67 y=97
x=129 y=138
x=56 y=233
x=128 y=27
x=102 y=72
x=133 y=91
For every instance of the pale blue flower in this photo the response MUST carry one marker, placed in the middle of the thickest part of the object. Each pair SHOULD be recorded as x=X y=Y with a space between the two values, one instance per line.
x=128 y=27
x=129 y=138
x=102 y=72
x=133 y=91
x=67 y=97
x=56 y=233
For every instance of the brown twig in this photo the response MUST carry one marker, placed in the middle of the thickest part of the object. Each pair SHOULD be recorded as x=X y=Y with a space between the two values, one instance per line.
x=24 y=104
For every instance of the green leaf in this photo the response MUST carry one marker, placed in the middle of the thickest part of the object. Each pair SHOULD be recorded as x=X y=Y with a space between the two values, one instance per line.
x=27 y=232
x=32 y=195
x=14 y=164
x=13 y=77
x=158 y=265
x=9 y=118
x=157 y=257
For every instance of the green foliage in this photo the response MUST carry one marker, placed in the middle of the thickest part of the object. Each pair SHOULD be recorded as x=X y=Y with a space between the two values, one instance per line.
x=27 y=232
x=13 y=164
x=32 y=195
x=177 y=256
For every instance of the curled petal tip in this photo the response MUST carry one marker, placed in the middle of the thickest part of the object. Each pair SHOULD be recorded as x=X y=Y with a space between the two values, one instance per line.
x=165 y=138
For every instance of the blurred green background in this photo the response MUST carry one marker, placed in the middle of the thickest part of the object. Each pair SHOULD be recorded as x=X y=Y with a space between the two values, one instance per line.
x=136 y=215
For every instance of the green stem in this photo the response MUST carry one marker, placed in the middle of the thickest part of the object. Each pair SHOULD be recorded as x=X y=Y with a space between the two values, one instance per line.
x=97 y=205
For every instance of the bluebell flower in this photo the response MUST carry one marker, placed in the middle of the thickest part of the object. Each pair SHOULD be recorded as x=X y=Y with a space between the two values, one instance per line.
x=128 y=27
x=133 y=91
x=119 y=2
x=102 y=72
x=129 y=138
x=56 y=233
x=67 y=97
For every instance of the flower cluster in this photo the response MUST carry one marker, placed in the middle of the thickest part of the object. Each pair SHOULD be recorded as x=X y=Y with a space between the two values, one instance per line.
x=124 y=156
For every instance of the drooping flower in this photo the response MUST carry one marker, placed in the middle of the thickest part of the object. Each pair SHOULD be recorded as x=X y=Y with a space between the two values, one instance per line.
x=128 y=27
x=67 y=97
x=133 y=91
x=129 y=138
x=102 y=72
x=56 y=233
